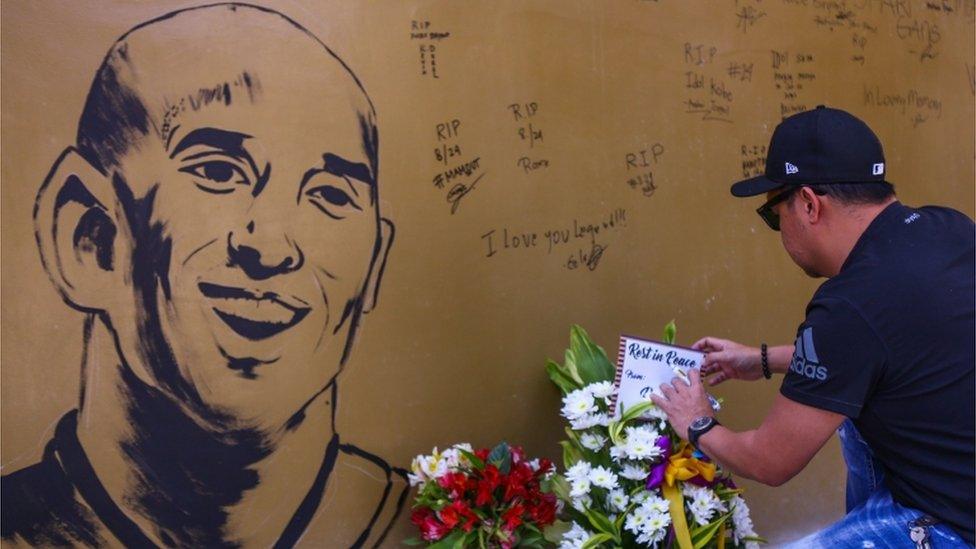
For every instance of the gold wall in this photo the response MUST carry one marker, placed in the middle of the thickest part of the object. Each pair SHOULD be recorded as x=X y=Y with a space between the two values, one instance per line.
x=626 y=117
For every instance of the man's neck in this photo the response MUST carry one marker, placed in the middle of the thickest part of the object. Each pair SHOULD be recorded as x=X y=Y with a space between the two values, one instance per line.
x=182 y=480
x=849 y=224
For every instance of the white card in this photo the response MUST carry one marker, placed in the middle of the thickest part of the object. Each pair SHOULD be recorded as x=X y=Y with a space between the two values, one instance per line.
x=644 y=365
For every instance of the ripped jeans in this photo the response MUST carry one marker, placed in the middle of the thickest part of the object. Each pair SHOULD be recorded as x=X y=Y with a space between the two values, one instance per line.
x=873 y=518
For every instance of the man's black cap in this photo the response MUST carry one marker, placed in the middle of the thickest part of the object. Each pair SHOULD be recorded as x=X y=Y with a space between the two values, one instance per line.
x=820 y=146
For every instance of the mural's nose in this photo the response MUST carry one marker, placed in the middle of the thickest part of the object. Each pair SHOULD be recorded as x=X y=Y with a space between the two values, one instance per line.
x=263 y=254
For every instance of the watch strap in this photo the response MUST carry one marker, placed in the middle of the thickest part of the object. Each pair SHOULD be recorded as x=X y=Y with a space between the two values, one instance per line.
x=695 y=434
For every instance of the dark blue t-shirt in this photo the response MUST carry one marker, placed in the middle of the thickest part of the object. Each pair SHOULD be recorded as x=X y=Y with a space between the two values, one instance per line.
x=889 y=342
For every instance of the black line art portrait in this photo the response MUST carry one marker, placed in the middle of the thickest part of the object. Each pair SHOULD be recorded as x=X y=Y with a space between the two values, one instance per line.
x=217 y=221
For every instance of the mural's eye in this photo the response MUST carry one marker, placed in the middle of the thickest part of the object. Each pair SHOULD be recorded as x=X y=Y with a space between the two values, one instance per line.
x=332 y=200
x=217 y=176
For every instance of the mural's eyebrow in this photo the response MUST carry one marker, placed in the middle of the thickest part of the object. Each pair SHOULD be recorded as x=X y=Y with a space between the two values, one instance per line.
x=225 y=140
x=338 y=166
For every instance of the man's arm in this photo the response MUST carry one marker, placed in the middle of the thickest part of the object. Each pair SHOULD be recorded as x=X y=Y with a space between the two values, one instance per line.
x=725 y=359
x=781 y=447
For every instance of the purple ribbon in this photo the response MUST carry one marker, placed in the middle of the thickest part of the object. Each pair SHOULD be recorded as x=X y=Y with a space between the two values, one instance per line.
x=657 y=472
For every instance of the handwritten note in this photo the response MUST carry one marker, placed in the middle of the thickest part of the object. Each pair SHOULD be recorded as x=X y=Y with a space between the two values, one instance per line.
x=644 y=365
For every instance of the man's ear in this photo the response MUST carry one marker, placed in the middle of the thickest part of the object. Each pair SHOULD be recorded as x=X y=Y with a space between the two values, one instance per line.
x=811 y=205
x=75 y=225
x=385 y=241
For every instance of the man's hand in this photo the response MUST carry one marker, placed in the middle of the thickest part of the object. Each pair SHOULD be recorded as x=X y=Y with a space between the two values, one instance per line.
x=726 y=360
x=683 y=402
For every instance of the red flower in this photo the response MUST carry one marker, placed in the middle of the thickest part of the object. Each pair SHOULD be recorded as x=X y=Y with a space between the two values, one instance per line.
x=490 y=479
x=513 y=517
x=543 y=512
x=518 y=482
x=454 y=483
x=482 y=453
x=430 y=528
x=418 y=516
x=544 y=467
x=457 y=511
x=518 y=455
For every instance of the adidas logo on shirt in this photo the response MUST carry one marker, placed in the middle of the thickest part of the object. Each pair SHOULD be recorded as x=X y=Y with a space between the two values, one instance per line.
x=805 y=361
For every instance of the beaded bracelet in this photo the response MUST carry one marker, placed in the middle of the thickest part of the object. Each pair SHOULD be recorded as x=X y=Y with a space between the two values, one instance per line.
x=767 y=373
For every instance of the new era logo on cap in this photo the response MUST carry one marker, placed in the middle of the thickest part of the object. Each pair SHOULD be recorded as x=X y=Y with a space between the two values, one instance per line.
x=791 y=169
x=878 y=169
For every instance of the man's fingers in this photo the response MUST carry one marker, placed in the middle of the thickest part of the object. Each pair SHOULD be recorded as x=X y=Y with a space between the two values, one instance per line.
x=716 y=379
x=667 y=390
x=694 y=375
x=705 y=344
x=660 y=402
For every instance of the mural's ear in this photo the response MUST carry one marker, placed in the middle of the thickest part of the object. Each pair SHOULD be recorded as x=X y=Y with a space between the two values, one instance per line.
x=372 y=290
x=75 y=225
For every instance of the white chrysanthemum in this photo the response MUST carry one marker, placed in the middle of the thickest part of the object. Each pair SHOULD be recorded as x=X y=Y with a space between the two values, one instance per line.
x=583 y=503
x=584 y=422
x=633 y=471
x=578 y=403
x=703 y=503
x=618 y=452
x=579 y=471
x=636 y=520
x=575 y=537
x=741 y=521
x=592 y=441
x=601 y=389
x=603 y=420
x=618 y=499
x=656 y=504
x=579 y=488
x=534 y=465
x=640 y=497
x=656 y=527
x=640 y=443
x=603 y=477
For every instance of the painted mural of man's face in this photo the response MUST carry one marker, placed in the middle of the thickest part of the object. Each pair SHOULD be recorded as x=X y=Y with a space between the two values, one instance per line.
x=247 y=214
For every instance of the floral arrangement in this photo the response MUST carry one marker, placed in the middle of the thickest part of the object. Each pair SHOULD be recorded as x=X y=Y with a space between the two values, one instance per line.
x=632 y=481
x=482 y=498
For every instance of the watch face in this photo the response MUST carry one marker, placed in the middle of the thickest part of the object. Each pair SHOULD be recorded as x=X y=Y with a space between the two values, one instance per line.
x=700 y=423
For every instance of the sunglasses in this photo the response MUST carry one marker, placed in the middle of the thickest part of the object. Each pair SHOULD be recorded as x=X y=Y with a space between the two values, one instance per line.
x=768 y=214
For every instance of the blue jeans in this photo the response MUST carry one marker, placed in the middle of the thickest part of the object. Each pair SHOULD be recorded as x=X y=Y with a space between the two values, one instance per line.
x=873 y=518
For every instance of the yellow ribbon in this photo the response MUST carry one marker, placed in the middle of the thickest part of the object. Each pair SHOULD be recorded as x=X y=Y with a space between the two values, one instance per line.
x=682 y=465
x=676 y=505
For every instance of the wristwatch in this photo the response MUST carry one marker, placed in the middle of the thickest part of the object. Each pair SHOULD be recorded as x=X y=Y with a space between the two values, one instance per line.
x=698 y=427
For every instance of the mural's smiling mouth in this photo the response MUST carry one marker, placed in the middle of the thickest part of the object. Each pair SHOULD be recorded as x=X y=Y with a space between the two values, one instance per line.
x=251 y=314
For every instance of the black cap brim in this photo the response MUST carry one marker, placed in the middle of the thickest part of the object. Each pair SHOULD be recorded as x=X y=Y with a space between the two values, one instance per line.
x=754 y=186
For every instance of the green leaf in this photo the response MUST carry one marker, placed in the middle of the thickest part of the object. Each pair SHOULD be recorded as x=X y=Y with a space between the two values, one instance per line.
x=562 y=378
x=616 y=428
x=596 y=540
x=554 y=532
x=501 y=457
x=570 y=454
x=590 y=359
x=670 y=331
x=475 y=460
x=414 y=541
x=601 y=523
x=701 y=535
x=560 y=487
